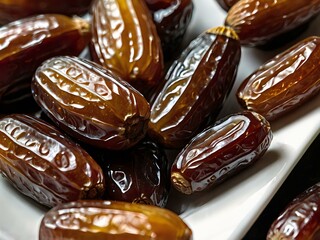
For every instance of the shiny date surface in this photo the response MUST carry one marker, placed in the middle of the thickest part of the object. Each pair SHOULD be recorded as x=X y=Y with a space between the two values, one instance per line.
x=284 y=82
x=300 y=219
x=17 y=9
x=195 y=88
x=172 y=19
x=125 y=40
x=91 y=103
x=259 y=21
x=43 y=164
x=230 y=145
x=112 y=220
x=226 y=4
x=138 y=175
x=26 y=43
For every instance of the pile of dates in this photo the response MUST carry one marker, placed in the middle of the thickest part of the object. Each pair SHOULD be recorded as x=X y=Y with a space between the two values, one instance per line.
x=94 y=93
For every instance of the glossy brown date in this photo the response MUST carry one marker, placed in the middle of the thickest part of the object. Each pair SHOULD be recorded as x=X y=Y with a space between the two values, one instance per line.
x=110 y=220
x=138 y=175
x=91 y=103
x=26 y=43
x=11 y=10
x=259 y=21
x=284 y=82
x=195 y=88
x=217 y=153
x=226 y=4
x=125 y=40
x=300 y=219
x=43 y=164
x=172 y=19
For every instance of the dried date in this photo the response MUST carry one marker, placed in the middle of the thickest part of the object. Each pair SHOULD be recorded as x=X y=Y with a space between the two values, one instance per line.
x=217 y=153
x=45 y=165
x=259 y=21
x=300 y=219
x=226 y=4
x=284 y=82
x=26 y=43
x=195 y=88
x=138 y=175
x=17 y=9
x=112 y=220
x=125 y=40
x=91 y=103
x=172 y=19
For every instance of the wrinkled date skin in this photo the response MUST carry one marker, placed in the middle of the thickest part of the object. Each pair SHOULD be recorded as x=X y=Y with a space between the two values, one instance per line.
x=259 y=21
x=110 y=220
x=91 y=103
x=43 y=164
x=25 y=44
x=138 y=175
x=230 y=145
x=11 y=10
x=125 y=40
x=300 y=219
x=195 y=88
x=284 y=82
x=226 y=4
x=172 y=19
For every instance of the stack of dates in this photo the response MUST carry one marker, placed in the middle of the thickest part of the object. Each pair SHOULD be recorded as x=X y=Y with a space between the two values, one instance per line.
x=90 y=105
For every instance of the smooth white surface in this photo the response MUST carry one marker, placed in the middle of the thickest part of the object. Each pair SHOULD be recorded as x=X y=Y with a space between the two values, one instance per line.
x=229 y=210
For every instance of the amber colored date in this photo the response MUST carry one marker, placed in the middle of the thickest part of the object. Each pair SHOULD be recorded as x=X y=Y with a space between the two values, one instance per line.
x=26 y=43
x=217 y=153
x=91 y=103
x=43 y=164
x=300 y=219
x=172 y=19
x=138 y=175
x=226 y=4
x=11 y=10
x=195 y=88
x=125 y=40
x=284 y=82
x=110 y=220
x=259 y=21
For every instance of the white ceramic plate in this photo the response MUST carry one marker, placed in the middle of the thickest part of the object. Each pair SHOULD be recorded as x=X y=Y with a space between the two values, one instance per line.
x=229 y=210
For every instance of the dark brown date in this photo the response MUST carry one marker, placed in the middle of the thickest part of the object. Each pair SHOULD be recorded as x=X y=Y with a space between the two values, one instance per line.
x=138 y=175
x=17 y=9
x=195 y=88
x=25 y=44
x=259 y=21
x=125 y=40
x=43 y=164
x=226 y=4
x=110 y=220
x=284 y=82
x=91 y=103
x=172 y=19
x=230 y=145
x=300 y=219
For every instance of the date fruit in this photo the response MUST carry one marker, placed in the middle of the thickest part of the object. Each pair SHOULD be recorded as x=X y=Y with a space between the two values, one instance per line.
x=11 y=10
x=226 y=4
x=195 y=88
x=217 y=153
x=284 y=82
x=112 y=220
x=91 y=103
x=138 y=175
x=125 y=40
x=172 y=19
x=45 y=165
x=300 y=219
x=259 y=21
x=26 y=43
